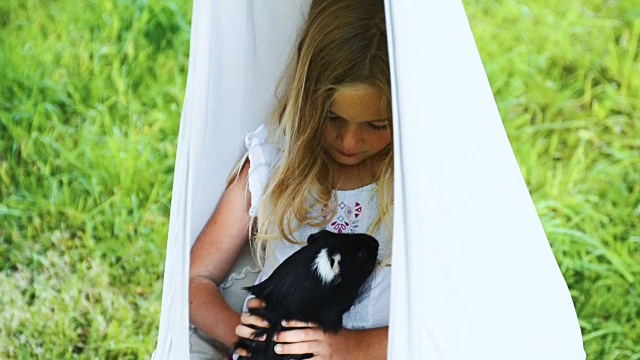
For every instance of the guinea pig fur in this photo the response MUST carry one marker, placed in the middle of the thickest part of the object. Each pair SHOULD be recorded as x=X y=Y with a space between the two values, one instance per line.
x=317 y=284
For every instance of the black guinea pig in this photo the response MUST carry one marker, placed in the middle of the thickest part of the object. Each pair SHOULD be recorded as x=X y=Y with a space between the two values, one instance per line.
x=317 y=284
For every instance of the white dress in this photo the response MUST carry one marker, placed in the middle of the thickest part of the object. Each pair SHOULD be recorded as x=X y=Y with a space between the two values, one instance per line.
x=357 y=209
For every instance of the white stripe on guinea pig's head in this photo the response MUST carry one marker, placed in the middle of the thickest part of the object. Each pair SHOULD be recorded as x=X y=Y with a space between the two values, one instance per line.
x=327 y=267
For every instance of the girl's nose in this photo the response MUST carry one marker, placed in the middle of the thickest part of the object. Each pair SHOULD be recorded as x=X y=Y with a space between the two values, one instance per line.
x=350 y=139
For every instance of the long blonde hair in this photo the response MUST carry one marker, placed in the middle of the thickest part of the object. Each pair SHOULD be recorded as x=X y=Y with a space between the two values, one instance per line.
x=343 y=43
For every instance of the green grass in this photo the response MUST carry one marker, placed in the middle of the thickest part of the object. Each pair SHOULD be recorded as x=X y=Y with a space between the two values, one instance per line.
x=90 y=98
x=89 y=111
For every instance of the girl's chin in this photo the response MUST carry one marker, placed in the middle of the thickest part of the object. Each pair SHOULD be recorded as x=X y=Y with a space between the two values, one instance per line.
x=348 y=160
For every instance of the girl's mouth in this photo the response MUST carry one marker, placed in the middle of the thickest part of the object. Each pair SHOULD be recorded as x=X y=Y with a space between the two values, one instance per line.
x=347 y=154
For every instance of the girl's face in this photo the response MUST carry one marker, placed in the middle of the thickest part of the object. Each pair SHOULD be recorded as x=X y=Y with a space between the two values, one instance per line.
x=358 y=125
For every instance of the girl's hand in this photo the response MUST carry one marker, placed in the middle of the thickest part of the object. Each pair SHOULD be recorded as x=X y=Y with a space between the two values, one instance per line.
x=248 y=322
x=310 y=339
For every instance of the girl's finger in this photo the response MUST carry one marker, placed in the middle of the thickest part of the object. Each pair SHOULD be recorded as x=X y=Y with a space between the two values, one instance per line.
x=255 y=303
x=248 y=333
x=242 y=352
x=308 y=347
x=255 y=320
x=298 y=324
x=302 y=335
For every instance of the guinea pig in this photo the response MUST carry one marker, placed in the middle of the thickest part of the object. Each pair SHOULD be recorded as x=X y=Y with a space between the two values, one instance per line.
x=317 y=284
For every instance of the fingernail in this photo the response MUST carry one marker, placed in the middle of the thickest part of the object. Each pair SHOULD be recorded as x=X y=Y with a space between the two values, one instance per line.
x=275 y=337
x=284 y=322
x=277 y=348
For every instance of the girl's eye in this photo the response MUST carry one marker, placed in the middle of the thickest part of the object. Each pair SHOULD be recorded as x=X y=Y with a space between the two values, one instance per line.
x=377 y=127
x=334 y=119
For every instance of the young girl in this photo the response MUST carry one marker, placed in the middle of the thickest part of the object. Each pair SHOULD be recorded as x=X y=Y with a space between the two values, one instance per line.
x=324 y=161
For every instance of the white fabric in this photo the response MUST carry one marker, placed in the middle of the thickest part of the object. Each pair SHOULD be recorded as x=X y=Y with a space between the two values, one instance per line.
x=356 y=211
x=238 y=51
x=473 y=274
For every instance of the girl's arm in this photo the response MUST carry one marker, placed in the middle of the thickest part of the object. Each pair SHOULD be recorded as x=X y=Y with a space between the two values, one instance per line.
x=367 y=344
x=213 y=254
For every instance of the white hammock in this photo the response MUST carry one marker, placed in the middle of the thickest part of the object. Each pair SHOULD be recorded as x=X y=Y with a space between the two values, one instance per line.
x=473 y=274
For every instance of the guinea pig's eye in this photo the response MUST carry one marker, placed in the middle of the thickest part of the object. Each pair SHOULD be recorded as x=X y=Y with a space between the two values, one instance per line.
x=361 y=254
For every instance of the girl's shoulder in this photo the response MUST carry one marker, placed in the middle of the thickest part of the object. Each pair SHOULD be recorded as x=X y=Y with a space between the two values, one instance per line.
x=263 y=153
x=260 y=141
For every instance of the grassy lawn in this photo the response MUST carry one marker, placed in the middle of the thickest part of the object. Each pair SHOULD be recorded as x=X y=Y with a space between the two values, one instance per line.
x=90 y=99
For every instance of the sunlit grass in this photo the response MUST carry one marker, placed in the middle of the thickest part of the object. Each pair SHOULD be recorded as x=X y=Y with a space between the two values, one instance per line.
x=89 y=109
x=90 y=98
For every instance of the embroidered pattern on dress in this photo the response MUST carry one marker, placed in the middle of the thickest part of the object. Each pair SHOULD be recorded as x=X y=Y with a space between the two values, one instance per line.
x=235 y=276
x=347 y=219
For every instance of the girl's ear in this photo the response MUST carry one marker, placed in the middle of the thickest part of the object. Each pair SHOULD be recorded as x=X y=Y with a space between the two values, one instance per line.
x=319 y=235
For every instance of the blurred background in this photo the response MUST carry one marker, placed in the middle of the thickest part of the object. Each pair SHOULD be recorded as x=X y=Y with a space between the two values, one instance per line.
x=90 y=99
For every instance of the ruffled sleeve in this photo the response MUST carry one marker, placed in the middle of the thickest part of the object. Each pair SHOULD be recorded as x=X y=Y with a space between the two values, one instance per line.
x=262 y=157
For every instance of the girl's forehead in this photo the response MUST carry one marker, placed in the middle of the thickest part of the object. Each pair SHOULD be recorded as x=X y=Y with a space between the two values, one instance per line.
x=359 y=103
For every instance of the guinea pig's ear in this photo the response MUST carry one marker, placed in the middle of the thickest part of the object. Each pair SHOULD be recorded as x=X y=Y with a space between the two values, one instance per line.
x=319 y=235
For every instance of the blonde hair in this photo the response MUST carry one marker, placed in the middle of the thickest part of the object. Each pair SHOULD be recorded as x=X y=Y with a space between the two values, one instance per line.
x=343 y=43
